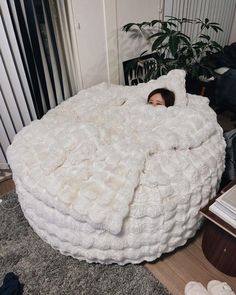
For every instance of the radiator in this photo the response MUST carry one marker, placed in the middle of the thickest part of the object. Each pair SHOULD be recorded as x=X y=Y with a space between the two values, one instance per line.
x=220 y=11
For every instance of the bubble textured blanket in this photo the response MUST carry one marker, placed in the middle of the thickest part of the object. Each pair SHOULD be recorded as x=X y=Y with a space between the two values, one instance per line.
x=105 y=177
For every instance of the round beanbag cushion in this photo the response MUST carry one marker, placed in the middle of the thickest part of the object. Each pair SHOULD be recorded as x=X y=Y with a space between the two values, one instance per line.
x=106 y=177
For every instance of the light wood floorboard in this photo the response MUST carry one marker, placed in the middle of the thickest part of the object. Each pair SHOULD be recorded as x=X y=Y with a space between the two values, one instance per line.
x=188 y=263
x=7 y=186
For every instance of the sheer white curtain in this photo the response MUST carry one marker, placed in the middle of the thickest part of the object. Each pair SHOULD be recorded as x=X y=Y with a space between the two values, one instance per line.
x=64 y=27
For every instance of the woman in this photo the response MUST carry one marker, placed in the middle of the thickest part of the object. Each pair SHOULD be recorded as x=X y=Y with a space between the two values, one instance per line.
x=161 y=96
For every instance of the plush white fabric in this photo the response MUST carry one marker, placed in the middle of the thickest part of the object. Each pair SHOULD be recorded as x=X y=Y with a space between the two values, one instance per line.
x=106 y=177
x=216 y=287
x=195 y=288
x=174 y=81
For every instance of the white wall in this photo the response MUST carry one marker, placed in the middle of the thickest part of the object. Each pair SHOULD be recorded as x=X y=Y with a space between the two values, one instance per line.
x=134 y=11
x=89 y=21
x=102 y=47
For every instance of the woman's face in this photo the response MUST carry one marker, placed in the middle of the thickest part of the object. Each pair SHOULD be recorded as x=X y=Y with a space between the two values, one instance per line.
x=157 y=100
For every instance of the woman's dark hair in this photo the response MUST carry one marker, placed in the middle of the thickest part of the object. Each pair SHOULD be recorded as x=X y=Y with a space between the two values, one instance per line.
x=167 y=95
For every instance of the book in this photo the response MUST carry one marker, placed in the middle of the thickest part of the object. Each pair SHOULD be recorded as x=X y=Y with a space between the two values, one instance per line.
x=225 y=206
x=228 y=199
x=225 y=209
x=224 y=216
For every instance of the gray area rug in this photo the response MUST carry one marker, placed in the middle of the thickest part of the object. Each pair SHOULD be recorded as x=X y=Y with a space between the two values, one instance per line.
x=44 y=270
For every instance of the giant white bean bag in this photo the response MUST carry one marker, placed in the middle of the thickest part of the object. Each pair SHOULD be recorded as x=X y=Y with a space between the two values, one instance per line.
x=105 y=177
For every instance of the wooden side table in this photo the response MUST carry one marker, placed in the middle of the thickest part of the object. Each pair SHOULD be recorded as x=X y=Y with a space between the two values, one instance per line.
x=219 y=239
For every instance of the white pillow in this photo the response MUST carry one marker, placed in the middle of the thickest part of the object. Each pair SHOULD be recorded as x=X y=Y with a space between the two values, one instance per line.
x=173 y=81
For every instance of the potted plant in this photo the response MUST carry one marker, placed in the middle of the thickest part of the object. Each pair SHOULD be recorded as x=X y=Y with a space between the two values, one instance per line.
x=171 y=48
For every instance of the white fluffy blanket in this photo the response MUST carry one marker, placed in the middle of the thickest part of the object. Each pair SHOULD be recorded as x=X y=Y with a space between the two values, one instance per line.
x=99 y=149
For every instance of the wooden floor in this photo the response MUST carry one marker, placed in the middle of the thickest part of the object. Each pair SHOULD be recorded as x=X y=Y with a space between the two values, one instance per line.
x=186 y=264
x=6 y=186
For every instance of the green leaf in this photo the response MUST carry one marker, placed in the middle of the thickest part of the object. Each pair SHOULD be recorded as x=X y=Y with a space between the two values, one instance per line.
x=203 y=36
x=155 y=21
x=165 y=45
x=214 y=24
x=198 y=21
x=183 y=49
x=167 y=30
x=143 y=24
x=216 y=45
x=185 y=36
x=184 y=39
x=169 y=60
x=206 y=37
x=199 y=44
x=128 y=26
x=208 y=53
x=162 y=56
x=187 y=20
x=156 y=35
x=173 y=43
x=171 y=24
x=158 y=42
x=216 y=28
x=220 y=29
x=163 y=25
x=172 y=18
x=143 y=52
